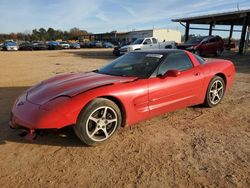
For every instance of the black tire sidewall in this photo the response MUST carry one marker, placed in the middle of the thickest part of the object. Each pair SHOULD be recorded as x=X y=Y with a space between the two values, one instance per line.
x=80 y=127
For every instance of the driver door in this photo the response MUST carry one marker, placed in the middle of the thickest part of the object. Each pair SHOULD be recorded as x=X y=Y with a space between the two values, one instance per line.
x=171 y=93
x=147 y=44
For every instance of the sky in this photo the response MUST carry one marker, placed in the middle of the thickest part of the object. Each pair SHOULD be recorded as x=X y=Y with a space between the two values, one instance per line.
x=99 y=16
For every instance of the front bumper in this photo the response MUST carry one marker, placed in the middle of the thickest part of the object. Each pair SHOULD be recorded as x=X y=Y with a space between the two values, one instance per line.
x=31 y=116
x=11 y=48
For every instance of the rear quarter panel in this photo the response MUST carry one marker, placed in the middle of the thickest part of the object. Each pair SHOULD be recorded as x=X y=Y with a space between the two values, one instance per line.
x=217 y=67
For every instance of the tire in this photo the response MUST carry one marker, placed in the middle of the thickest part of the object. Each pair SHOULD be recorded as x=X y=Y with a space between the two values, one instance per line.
x=92 y=127
x=218 y=52
x=215 y=92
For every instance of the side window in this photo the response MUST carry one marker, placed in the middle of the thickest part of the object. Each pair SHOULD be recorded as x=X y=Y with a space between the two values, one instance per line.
x=177 y=61
x=147 y=41
x=154 y=40
x=200 y=59
x=212 y=40
x=205 y=41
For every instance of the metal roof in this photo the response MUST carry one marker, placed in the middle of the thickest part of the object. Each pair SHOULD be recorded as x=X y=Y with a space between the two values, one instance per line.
x=225 y=18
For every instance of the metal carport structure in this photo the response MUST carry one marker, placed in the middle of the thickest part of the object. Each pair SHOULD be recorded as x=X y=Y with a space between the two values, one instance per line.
x=234 y=18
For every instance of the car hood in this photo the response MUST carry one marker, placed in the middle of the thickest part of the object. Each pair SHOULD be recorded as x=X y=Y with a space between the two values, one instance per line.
x=131 y=46
x=71 y=84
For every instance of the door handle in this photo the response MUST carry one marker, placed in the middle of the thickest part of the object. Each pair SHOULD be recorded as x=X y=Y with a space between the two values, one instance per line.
x=197 y=74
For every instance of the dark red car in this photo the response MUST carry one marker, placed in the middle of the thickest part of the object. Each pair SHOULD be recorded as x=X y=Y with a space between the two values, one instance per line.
x=134 y=87
x=204 y=45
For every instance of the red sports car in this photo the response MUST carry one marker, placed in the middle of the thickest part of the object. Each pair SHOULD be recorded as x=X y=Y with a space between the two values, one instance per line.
x=134 y=87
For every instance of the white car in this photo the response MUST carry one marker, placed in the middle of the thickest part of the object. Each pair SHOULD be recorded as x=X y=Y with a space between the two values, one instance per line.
x=10 y=46
x=64 y=45
x=147 y=43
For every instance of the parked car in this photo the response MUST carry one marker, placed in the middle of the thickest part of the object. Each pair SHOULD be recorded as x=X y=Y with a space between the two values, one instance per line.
x=84 y=44
x=10 y=46
x=25 y=46
x=116 y=50
x=204 y=45
x=52 y=45
x=40 y=46
x=64 y=45
x=134 y=87
x=107 y=45
x=36 y=42
x=75 y=45
x=1 y=46
x=95 y=44
x=147 y=43
x=193 y=41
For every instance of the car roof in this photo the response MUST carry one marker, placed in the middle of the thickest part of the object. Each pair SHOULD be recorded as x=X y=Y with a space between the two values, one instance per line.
x=159 y=51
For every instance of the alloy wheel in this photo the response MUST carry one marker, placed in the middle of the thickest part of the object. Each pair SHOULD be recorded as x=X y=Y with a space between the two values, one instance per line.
x=216 y=92
x=101 y=123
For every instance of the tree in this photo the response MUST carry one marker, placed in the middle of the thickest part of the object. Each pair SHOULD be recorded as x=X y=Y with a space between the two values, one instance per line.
x=43 y=34
x=51 y=34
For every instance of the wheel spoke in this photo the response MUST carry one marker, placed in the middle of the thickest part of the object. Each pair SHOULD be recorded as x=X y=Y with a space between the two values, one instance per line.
x=218 y=96
x=213 y=97
x=111 y=120
x=93 y=119
x=212 y=90
x=104 y=113
x=216 y=85
x=220 y=88
x=95 y=131
x=105 y=132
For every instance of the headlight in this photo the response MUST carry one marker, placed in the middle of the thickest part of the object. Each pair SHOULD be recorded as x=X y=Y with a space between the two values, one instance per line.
x=130 y=49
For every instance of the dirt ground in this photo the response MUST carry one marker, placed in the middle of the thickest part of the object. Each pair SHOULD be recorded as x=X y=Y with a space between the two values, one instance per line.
x=192 y=147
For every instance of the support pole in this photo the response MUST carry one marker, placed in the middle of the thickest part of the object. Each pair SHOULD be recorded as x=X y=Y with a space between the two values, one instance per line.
x=230 y=35
x=210 y=29
x=187 y=31
x=243 y=35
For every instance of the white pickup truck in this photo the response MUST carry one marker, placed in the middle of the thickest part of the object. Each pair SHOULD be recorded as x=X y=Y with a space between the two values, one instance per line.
x=147 y=43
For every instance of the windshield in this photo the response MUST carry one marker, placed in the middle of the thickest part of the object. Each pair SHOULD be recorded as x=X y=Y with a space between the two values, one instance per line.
x=53 y=43
x=194 y=40
x=138 y=41
x=139 y=65
x=10 y=44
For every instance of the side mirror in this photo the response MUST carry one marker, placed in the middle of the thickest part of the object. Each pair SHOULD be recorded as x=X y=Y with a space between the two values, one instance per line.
x=144 y=43
x=171 y=73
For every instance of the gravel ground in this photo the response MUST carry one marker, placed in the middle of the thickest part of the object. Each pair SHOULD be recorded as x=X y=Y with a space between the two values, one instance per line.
x=192 y=147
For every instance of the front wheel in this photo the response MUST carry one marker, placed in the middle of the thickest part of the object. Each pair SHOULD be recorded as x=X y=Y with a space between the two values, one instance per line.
x=215 y=92
x=98 y=121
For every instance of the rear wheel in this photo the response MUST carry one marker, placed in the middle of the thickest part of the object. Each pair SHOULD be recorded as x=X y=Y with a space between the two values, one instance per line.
x=98 y=121
x=215 y=92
